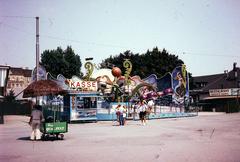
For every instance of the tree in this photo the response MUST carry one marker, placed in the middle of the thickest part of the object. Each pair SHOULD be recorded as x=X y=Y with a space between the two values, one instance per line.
x=10 y=97
x=64 y=62
x=152 y=62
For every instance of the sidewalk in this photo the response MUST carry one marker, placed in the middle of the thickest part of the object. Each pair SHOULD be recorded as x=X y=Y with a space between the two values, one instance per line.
x=210 y=113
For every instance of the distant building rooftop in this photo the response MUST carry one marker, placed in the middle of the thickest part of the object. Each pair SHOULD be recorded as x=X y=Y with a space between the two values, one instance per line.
x=218 y=81
x=20 y=71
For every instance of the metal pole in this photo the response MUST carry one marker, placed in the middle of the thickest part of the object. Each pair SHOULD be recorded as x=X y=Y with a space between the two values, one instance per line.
x=37 y=46
x=37 y=51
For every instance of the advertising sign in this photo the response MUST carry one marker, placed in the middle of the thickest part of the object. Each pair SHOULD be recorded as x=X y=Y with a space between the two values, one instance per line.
x=219 y=92
x=57 y=127
x=41 y=73
x=224 y=92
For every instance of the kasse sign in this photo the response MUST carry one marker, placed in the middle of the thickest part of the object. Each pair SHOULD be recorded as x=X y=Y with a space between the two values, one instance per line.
x=82 y=85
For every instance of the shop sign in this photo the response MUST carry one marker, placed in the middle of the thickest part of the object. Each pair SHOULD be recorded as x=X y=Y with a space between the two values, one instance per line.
x=82 y=85
x=235 y=91
x=224 y=92
x=57 y=127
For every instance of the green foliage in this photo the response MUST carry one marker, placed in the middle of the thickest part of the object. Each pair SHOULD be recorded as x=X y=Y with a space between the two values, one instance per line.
x=152 y=62
x=64 y=62
x=10 y=97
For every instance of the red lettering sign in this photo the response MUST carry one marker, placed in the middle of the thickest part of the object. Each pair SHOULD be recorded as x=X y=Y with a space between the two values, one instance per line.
x=83 y=84
x=72 y=84
x=88 y=84
x=78 y=84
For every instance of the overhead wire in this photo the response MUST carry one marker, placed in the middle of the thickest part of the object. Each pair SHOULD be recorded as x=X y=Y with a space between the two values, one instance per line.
x=23 y=17
x=208 y=54
x=82 y=42
x=90 y=43
x=60 y=38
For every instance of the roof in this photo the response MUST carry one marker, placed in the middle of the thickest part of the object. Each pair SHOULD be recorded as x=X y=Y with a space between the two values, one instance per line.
x=207 y=78
x=4 y=66
x=219 y=81
x=20 y=71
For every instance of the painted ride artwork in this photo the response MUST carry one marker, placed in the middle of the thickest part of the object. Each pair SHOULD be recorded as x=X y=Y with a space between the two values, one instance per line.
x=95 y=96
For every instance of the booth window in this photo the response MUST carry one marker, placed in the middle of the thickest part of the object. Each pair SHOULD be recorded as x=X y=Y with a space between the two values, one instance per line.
x=86 y=102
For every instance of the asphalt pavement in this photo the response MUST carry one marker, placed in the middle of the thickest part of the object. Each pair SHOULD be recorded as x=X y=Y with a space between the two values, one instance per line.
x=208 y=137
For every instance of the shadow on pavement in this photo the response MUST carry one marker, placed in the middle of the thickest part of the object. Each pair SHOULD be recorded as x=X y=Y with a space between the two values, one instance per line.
x=24 y=138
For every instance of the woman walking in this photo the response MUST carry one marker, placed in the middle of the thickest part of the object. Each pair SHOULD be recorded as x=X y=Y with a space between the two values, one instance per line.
x=142 y=112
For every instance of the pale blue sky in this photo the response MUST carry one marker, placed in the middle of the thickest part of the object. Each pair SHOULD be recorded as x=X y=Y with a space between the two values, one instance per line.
x=204 y=34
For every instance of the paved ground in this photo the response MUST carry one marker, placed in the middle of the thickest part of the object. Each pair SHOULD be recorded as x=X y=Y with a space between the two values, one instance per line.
x=209 y=137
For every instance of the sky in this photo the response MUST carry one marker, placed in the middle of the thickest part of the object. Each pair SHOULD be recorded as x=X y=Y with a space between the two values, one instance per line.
x=204 y=34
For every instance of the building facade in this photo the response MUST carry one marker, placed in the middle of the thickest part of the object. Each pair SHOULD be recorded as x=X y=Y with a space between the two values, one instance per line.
x=218 y=92
x=4 y=71
x=18 y=80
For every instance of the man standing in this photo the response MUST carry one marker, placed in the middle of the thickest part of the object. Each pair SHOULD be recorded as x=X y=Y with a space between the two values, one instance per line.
x=35 y=121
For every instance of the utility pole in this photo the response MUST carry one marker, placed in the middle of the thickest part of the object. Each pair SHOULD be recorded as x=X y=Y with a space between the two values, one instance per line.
x=37 y=52
x=37 y=47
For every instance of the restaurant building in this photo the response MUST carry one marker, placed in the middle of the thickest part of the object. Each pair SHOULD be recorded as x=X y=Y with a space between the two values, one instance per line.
x=18 y=80
x=218 y=92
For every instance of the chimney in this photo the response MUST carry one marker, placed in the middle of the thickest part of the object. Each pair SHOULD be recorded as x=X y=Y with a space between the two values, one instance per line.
x=234 y=66
x=226 y=73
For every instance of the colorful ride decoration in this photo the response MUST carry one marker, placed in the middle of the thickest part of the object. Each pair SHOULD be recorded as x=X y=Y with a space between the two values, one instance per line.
x=89 y=67
x=180 y=85
x=128 y=66
x=112 y=84
x=116 y=72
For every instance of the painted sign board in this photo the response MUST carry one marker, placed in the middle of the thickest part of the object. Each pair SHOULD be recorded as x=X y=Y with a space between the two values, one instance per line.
x=82 y=85
x=224 y=92
x=56 y=127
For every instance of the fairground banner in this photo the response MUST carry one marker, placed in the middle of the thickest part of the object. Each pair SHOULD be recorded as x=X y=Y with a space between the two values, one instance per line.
x=164 y=85
x=180 y=84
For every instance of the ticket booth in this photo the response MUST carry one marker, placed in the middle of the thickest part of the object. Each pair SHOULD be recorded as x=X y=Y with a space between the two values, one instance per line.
x=81 y=106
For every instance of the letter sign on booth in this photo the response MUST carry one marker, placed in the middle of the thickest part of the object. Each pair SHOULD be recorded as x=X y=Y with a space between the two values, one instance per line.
x=86 y=85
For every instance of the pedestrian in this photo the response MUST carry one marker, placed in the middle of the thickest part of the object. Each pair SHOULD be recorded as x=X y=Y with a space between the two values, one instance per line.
x=135 y=108
x=124 y=114
x=142 y=107
x=35 y=121
x=150 y=105
x=119 y=111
